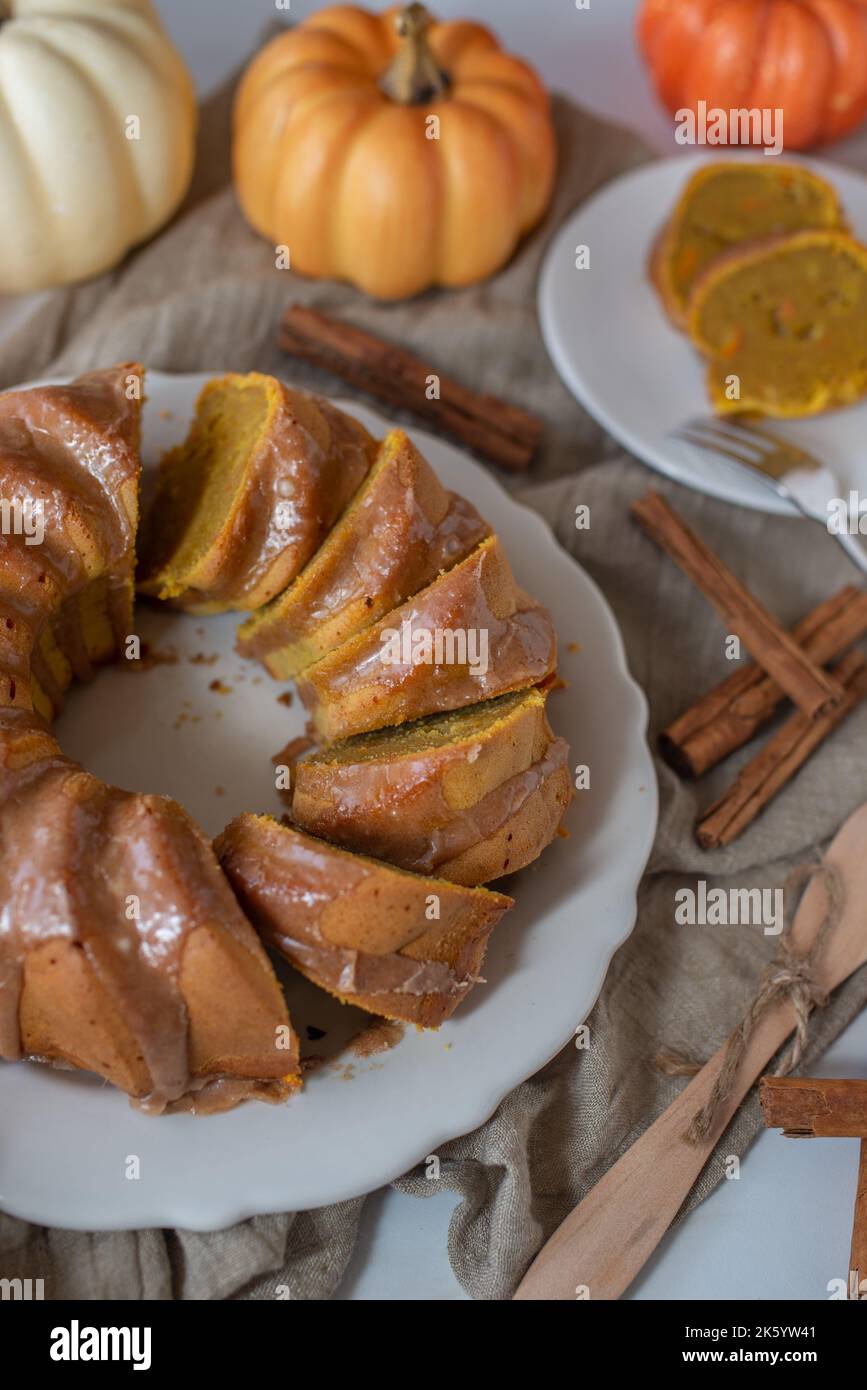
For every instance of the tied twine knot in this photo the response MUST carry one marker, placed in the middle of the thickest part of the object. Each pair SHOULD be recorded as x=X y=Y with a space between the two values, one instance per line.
x=787 y=976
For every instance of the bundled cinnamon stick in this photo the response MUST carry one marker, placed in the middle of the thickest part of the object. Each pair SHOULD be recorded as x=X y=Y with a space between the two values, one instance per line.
x=806 y=684
x=780 y=759
x=493 y=428
x=731 y=714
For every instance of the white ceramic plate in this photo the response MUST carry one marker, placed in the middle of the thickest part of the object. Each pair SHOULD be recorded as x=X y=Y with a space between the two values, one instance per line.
x=617 y=352
x=66 y=1137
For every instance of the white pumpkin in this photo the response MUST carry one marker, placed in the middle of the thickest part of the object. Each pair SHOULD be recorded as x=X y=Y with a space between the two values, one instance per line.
x=97 y=132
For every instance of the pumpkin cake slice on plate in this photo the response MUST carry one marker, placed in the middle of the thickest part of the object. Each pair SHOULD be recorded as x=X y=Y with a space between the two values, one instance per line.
x=468 y=796
x=246 y=500
x=783 y=325
x=470 y=635
x=400 y=531
x=393 y=943
x=728 y=204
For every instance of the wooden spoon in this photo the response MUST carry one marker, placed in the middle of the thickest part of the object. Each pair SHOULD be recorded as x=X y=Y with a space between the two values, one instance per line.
x=606 y=1239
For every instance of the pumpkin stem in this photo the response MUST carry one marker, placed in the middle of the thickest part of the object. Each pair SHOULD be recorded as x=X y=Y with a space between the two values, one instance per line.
x=415 y=75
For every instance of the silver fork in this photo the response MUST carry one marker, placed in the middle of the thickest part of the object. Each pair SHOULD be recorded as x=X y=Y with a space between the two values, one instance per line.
x=783 y=467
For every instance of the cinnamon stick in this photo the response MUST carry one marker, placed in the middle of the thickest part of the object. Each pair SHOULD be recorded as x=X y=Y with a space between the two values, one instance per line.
x=779 y=760
x=815 y=1108
x=806 y=684
x=730 y=715
x=491 y=427
x=858 y=1256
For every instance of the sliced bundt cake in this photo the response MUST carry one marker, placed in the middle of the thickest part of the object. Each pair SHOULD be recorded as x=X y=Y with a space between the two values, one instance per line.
x=468 y=796
x=69 y=471
x=246 y=500
x=122 y=949
x=783 y=325
x=390 y=942
x=400 y=531
x=731 y=203
x=470 y=635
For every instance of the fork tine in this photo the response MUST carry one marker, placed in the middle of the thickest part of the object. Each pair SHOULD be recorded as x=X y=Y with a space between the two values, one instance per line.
x=712 y=446
x=756 y=434
x=712 y=442
x=720 y=427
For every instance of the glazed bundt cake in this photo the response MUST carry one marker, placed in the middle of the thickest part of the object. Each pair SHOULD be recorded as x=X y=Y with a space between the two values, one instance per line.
x=732 y=203
x=122 y=949
x=393 y=943
x=247 y=499
x=470 y=635
x=468 y=796
x=69 y=461
x=400 y=531
x=785 y=323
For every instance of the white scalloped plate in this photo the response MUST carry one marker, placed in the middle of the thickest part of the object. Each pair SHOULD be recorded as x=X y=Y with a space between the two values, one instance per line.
x=66 y=1137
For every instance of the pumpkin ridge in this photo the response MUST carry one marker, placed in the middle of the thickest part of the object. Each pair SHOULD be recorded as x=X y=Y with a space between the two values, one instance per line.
x=313 y=25
x=837 y=60
x=31 y=168
x=311 y=100
x=135 y=38
x=378 y=110
x=361 y=83
x=124 y=169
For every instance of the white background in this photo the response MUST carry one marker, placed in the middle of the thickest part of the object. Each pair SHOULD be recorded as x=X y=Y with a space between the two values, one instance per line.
x=783 y=1229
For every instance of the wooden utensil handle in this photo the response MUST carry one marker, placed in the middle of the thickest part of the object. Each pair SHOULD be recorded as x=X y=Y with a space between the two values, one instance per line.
x=606 y=1240
x=617 y=1227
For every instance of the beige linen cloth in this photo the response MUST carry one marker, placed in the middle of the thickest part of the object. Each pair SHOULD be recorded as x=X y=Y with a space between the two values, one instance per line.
x=206 y=294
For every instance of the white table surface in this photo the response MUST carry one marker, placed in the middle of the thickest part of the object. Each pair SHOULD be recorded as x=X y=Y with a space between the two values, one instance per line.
x=782 y=1230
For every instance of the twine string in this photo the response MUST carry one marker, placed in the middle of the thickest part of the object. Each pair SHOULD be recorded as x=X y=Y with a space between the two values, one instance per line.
x=787 y=977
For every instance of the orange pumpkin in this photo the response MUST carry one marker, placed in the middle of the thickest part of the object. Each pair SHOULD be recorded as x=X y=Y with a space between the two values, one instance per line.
x=392 y=151
x=808 y=57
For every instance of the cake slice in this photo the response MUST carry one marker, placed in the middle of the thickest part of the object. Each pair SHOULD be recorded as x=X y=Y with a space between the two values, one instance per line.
x=470 y=635
x=400 y=531
x=730 y=203
x=250 y=495
x=393 y=943
x=71 y=453
x=468 y=796
x=123 y=951
x=783 y=325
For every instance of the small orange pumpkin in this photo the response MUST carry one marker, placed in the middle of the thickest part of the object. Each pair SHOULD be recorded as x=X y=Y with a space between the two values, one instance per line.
x=808 y=57
x=392 y=151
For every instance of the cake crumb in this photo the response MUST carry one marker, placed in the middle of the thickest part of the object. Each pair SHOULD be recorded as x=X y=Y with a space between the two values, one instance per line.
x=573 y=647
x=219 y=791
x=151 y=657
x=220 y=688
x=312 y=1063
x=285 y=698
x=204 y=658
x=166 y=414
x=379 y=1035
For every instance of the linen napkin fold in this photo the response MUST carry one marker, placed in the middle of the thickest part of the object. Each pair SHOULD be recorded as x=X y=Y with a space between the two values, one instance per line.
x=207 y=295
